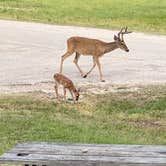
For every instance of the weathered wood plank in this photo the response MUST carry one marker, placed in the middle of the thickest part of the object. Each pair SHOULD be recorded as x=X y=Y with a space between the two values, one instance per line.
x=91 y=146
x=91 y=153
x=84 y=150
x=86 y=154
x=114 y=159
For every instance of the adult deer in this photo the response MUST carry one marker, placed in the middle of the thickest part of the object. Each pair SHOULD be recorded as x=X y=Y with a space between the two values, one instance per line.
x=95 y=48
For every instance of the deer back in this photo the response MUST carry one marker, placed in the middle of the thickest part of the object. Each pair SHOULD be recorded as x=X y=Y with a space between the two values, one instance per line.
x=85 y=46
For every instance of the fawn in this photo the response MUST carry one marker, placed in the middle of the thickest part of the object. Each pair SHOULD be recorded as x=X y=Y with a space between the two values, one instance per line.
x=60 y=79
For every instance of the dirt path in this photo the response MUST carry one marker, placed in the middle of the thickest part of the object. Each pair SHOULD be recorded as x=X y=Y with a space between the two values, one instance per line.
x=30 y=54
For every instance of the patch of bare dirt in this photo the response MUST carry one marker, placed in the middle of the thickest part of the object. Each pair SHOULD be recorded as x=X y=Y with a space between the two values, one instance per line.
x=149 y=124
x=47 y=88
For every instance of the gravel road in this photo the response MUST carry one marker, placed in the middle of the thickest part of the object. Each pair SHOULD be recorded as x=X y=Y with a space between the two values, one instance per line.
x=30 y=53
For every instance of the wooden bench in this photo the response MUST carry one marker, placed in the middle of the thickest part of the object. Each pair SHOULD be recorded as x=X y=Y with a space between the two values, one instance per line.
x=58 y=154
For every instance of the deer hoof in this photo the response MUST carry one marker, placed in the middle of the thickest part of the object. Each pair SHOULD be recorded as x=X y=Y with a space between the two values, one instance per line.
x=84 y=76
x=102 y=80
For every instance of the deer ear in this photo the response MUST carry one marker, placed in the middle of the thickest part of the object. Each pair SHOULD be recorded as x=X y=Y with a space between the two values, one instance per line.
x=115 y=37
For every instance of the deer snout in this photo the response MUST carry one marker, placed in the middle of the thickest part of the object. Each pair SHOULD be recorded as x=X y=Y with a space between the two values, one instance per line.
x=127 y=50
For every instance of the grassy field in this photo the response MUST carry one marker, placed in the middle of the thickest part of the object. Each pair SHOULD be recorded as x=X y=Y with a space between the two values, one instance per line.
x=121 y=118
x=139 y=15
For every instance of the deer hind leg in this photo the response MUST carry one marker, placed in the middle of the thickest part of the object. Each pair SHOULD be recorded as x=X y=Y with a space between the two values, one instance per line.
x=99 y=67
x=76 y=63
x=94 y=64
x=67 y=54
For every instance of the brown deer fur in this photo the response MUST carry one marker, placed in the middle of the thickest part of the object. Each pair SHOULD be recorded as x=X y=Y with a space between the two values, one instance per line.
x=67 y=84
x=95 y=48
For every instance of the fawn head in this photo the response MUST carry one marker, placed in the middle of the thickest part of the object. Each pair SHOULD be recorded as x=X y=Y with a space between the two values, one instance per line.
x=77 y=93
x=120 y=41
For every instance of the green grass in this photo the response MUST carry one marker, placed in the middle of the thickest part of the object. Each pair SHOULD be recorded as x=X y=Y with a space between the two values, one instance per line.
x=116 y=118
x=139 y=15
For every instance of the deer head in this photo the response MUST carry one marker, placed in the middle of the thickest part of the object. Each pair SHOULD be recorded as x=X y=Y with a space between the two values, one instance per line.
x=120 y=41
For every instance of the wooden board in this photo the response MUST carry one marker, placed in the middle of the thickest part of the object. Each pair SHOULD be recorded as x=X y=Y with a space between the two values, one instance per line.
x=43 y=153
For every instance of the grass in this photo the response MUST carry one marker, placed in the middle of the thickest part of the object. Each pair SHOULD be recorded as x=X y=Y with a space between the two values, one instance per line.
x=116 y=118
x=139 y=15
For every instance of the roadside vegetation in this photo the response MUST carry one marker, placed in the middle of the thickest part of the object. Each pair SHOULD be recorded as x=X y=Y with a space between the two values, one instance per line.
x=117 y=118
x=143 y=15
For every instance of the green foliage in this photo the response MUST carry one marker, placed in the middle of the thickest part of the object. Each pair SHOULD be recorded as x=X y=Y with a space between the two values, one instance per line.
x=142 y=15
x=121 y=118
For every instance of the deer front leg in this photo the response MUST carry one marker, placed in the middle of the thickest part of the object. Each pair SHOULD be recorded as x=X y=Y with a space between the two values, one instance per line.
x=76 y=63
x=94 y=64
x=99 y=67
x=67 y=54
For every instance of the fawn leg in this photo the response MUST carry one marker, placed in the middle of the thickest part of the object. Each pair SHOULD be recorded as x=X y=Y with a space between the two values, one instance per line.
x=56 y=91
x=72 y=95
x=64 y=90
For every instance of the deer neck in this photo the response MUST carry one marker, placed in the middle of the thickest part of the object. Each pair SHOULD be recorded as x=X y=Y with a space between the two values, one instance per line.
x=110 y=47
